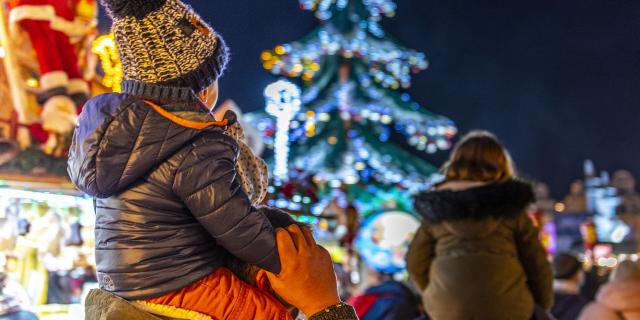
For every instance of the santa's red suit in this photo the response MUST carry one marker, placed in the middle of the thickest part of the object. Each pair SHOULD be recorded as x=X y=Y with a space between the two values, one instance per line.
x=50 y=24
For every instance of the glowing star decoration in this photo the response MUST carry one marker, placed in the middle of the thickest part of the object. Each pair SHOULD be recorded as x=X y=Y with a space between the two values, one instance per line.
x=383 y=240
x=105 y=48
x=283 y=102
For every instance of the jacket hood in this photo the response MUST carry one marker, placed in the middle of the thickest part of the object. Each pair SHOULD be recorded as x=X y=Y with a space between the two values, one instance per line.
x=621 y=296
x=477 y=202
x=119 y=139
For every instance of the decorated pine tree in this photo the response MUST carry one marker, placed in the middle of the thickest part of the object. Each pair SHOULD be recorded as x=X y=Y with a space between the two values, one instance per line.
x=353 y=127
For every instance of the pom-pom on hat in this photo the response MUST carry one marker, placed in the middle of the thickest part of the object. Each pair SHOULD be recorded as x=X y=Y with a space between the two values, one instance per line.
x=164 y=42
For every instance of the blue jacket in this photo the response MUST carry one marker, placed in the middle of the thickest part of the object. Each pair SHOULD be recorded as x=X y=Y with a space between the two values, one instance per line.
x=394 y=301
x=169 y=204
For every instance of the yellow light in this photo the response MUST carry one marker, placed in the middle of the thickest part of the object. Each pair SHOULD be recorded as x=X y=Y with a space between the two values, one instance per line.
x=105 y=48
x=311 y=130
x=310 y=114
x=32 y=83
x=560 y=207
x=333 y=140
x=266 y=56
x=297 y=68
x=324 y=117
x=360 y=166
x=267 y=65
x=280 y=50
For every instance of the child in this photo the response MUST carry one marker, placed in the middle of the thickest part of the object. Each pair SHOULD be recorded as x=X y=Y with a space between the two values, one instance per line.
x=171 y=199
x=477 y=254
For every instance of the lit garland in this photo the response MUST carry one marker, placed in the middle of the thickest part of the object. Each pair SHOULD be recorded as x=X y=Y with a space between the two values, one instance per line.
x=389 y=65
x=283 y=102
x=425 y=132
x=105 y=48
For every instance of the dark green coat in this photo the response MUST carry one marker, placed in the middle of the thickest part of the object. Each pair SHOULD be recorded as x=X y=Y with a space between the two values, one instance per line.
x=477 y=253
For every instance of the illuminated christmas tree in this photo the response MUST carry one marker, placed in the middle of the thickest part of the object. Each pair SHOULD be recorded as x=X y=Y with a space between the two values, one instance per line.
x=355 y=128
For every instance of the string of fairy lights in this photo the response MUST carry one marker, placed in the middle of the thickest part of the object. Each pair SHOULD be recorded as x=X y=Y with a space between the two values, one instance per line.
x=105 y=47
x=389 y=64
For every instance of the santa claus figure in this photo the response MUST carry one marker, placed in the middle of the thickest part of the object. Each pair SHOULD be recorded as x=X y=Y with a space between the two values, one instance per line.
x=51 y=25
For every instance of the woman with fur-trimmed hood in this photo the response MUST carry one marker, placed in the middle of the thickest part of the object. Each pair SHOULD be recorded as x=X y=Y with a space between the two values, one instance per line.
x=477 y=253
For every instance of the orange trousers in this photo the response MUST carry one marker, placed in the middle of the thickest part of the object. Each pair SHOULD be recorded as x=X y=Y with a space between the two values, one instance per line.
x=222 y=295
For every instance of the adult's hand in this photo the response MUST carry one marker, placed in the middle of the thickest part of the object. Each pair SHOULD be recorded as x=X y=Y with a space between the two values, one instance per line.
x=307 y=279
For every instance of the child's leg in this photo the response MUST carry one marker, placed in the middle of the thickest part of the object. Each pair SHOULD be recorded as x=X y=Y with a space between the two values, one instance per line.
x=222 y=295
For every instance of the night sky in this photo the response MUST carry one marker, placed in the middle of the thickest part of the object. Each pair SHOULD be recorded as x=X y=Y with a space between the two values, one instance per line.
x=557 y=81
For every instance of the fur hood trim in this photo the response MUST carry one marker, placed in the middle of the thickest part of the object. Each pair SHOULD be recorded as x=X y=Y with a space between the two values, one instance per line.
x=499 y=200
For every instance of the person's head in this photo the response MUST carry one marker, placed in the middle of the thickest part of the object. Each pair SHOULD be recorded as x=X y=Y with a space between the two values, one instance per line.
x=626 y=271
x=567 y=267
x=165 y=43
x=577 y=188
x=479 y=156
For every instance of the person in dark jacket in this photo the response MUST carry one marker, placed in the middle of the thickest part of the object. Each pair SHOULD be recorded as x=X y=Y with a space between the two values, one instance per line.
x=477 y=253
x=386 y=299
x=568 y=277
x=171 y=197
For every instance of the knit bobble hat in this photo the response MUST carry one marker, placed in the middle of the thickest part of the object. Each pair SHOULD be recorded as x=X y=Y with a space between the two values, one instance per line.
x=164 y=42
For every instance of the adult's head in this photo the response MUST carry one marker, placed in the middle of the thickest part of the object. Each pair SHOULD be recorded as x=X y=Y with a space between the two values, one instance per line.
x=567 y=267
x=165 y=43
x=479 y=156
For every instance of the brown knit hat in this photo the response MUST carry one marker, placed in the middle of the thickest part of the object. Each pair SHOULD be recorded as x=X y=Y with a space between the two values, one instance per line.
x=164 y=42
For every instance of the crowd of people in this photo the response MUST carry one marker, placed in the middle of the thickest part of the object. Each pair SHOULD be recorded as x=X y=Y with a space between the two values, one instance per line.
x=180 y=231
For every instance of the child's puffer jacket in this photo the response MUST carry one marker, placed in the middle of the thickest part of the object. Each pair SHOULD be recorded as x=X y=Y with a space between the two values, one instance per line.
x=169 y=203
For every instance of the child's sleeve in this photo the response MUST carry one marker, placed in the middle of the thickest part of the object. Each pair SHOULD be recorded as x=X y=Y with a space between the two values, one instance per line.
x=208 y=184
x=420 y=255
x=534 y=260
